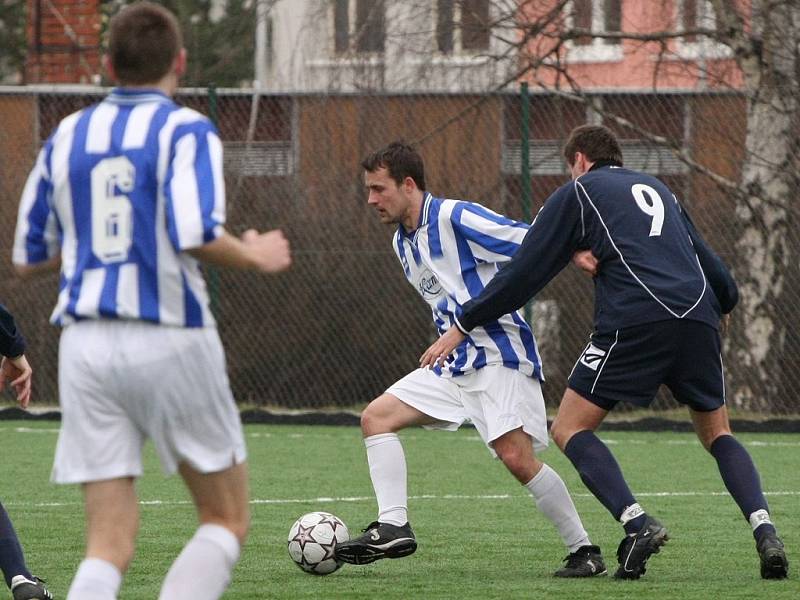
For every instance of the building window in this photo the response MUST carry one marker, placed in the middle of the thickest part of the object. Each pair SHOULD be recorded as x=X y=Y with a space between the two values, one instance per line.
x=694 y=15
x=462 y=26
x=359 y=26
x=600 y=16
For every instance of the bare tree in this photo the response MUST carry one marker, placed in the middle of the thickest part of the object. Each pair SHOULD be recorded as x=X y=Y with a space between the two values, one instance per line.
x=761 y=38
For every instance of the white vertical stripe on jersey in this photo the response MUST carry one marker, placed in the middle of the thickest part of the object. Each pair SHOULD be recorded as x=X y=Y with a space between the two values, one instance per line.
x=20 y=252
x=183 y=188
x=170 y=281
x=92 y=281
x=98 y=137
x=62 y=202
x=215 y=152
x=128 y=291
x=138 y=125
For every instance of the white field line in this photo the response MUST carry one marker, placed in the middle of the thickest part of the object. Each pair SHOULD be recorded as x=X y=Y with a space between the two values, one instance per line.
x=470 y=438
x=355 y=499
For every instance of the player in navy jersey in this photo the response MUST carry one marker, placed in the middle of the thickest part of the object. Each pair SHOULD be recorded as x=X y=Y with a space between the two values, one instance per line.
x=449 y=249
x=16 y=371
x=659 y=294
x=128 y=196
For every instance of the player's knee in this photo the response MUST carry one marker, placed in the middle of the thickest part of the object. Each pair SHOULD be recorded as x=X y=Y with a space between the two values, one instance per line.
x=515 y=459
x=560 y=433
x=373 y=419
x=237 y=523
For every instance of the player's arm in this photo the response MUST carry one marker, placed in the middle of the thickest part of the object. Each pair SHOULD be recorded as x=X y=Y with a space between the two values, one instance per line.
x=547 y=248
x=14 y=366
x=195 y=209
x=37 y=236
x=266 y=252
x=32 y=270
x=719 y=277
x=493 y=237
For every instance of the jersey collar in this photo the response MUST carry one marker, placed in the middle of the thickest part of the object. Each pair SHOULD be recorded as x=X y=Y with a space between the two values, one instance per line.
x=424 y=216
x=123 y=95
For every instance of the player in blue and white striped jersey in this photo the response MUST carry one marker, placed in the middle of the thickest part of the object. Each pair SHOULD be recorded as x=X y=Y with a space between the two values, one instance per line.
x=449 y=250
x=128 y=196
x=660 y=294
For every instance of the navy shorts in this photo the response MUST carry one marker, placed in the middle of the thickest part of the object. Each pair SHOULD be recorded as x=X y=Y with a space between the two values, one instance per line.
x=629 y=365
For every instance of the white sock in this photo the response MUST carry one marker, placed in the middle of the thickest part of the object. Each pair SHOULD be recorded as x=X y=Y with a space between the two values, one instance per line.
x=203 y=569
x=387 y=468
x=96 y=579
x=553 y=499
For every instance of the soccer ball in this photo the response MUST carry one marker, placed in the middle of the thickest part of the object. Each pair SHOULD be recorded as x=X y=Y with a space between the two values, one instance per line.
x=312 y=539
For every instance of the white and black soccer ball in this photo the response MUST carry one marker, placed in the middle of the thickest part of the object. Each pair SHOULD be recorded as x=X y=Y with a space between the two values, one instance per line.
x=312 y=540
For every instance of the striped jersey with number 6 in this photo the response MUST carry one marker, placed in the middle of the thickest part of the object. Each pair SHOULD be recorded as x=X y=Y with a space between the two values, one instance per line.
x=121 y=189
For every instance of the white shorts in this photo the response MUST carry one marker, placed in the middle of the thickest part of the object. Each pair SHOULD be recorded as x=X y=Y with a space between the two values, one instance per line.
x=495 y=399
x=122 y=382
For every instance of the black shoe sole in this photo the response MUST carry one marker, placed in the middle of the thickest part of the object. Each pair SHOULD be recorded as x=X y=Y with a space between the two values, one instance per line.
x=576 y=575
x=362 y=554
x=775 y=566
x=654 y=545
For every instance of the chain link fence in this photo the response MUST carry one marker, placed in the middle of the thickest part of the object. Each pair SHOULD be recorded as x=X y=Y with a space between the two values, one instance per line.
x=343 y=324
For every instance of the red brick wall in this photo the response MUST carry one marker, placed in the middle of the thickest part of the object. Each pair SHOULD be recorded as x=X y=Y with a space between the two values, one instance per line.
x=63 y=41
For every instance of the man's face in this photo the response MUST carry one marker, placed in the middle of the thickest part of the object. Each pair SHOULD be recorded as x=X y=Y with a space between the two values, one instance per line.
x=386 y=196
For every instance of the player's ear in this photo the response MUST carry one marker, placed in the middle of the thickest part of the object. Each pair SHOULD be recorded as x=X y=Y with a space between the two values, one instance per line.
x=179 y=66
x=108 y=66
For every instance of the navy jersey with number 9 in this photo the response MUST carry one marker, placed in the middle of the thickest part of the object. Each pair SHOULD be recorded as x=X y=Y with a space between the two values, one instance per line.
x=653 y=264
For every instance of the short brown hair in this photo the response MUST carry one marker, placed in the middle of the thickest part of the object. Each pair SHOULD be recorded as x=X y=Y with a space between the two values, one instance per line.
x=401 y=160
x=595 y=141
x=144 y=40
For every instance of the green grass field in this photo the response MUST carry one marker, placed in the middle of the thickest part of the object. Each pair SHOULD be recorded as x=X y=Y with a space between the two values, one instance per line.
x=479 y=533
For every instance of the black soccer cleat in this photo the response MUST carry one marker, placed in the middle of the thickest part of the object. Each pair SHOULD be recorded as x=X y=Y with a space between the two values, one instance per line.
x=634 y=550
x=380 y=540
x=586 y=561
x=774 y=564
x=23 y=588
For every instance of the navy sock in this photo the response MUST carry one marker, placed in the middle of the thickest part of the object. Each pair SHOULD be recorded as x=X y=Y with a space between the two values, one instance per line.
x=12 y=561
x=741 y=478
x=600 y=472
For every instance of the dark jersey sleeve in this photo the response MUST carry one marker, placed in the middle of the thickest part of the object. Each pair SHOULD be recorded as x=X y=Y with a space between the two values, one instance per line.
x=547 y=248
x=719 y=277
x=12 y=344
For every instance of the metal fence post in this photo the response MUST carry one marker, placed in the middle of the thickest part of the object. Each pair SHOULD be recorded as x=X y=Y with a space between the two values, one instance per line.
x=525 y=168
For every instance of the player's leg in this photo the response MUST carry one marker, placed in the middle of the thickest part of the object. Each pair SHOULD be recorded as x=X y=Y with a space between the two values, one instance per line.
x=515 y=449
x=99 y=447
x=573 y=431
x=112 y=522
x=624 y=365
x=743 y=483
x=697 y=380
x=23 y=585
x=419 y=398
x=203 y=569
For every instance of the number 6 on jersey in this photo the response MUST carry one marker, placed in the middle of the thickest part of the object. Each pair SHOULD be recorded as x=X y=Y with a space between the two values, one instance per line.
x=112 y=222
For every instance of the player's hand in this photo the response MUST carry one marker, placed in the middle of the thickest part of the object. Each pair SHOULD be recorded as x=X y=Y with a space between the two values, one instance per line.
x=270 y=251
x=725 y=323
x=585 y=261
x=19 y=373
x=438 y=352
